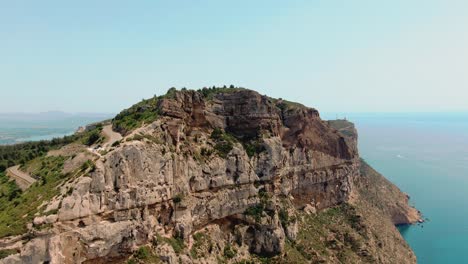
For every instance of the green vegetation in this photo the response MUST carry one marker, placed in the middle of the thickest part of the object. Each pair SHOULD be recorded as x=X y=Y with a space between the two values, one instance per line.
x=153 y=139
x=178 y=198
x=336 y=231
x=209 y=93
x=171 y=93
x=176 y=243
x=201 y=243
x=8 y=188
x=145 y=111
x=116 y=144
x=20 y=154
x=229 y=251
x=223 y=148
x=206 y=152
x=253 y=147
x=7 y=252
x=284 y=105
x=137 y=137
x=284 y=217
x=144 y=254
x=92 y=138
x=89 y=164
x=256 y=211
x=224 y=142
x=141 y=137
x=343 y=126
x=11 y=155
x=16 y=208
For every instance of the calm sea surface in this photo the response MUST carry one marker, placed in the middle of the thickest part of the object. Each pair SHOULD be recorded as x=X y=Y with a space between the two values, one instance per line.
x=16 y=131
x=426 y=155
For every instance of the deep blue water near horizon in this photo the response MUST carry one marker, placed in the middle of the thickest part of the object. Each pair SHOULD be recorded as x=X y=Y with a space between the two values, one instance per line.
x=426 y=155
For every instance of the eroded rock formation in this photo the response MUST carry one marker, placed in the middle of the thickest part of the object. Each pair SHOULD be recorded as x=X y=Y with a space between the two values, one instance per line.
x=226 y=163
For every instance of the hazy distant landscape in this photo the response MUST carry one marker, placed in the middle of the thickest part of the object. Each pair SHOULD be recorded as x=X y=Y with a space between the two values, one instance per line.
x=21 y=127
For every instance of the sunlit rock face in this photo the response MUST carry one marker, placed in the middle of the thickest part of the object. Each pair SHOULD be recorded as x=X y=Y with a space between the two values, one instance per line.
x=175 y=176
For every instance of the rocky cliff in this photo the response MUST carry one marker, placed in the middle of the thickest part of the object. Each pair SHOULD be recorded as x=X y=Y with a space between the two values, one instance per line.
x=210 y=176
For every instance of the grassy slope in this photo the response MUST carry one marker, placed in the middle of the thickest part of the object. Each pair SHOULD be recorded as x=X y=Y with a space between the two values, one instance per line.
x=19 y=208
x=17 y=212
x=388 y=198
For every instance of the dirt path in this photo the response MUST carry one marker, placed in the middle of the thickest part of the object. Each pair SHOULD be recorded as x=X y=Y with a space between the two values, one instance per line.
x=110 y=135
x=23 y=179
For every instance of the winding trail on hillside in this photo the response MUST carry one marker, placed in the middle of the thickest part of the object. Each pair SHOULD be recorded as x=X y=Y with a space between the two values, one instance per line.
x=110 y=135
x=23 y=180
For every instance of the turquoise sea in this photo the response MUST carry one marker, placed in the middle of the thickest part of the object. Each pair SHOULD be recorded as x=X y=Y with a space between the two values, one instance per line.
x=426 y=155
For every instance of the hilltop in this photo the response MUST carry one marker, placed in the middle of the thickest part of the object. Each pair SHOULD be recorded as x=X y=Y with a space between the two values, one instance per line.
x=218 y=175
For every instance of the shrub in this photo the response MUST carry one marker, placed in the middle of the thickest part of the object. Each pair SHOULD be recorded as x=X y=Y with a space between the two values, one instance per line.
x=253 y=147
x=178 y=198
x=217 y=134
x=13 y=191
x=255 y=211
x=223 y=148
x=224 y=142
x=284 y=217
x=92 y=138
x=142 y=253
x=209 y=93
x=143 y=112
x=89 y=164
x=138 y=137
x=200 y=240
x=177 y=244
x=229 y=251
x=6 y=252
x=206 y=152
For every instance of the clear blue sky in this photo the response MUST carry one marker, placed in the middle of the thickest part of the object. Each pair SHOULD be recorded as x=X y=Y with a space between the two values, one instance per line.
x=335 y=55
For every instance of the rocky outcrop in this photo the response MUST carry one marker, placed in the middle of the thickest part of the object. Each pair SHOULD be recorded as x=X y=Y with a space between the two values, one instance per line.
x=230 y=160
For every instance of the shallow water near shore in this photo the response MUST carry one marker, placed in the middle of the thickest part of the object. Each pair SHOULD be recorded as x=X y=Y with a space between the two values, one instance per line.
x=426 y=155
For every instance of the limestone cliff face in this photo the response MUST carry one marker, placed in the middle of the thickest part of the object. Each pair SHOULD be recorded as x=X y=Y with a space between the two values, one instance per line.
x=227 y=163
